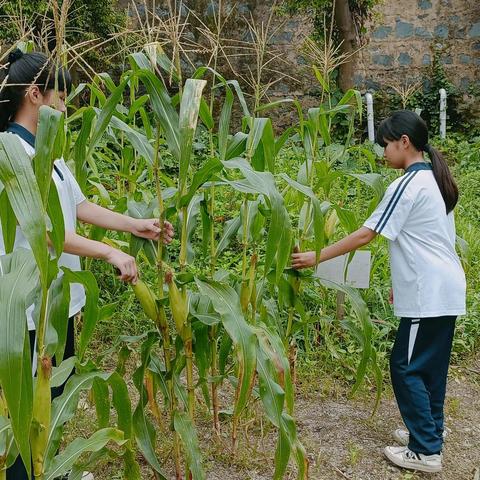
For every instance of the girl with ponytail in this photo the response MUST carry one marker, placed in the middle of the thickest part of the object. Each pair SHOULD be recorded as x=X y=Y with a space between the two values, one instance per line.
x=416 y=216
x=27 y=82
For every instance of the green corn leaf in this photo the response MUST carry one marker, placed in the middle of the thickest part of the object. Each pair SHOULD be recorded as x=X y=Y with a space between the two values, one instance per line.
x=206 y=115
x=227 y=304
x=240 y=96
x=377 y=371
x=236 y=145
x=64 y=408
x=122 y=404
x=138 y=140
x=224 y=124
x=18 y=279
x=48 y=147
x=321 y=79
x=62 y=373
x=63 y=462
x=8 y=222
x=19 y=181
x=57 y=314
x=184 y=427
x=361 y=311
x=204 y=174
x=257 y=127
x=164 y=111
x=373 y=180
x=230 y=230
x=189 y=108
x=101 y=398
x=55 y=214
x=90 y=312
x=142 y=427
x=80 y=147
x=103 y=120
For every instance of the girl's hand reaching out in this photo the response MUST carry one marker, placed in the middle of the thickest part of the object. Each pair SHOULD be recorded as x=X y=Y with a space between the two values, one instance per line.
x=303 y=259
x=150 y=229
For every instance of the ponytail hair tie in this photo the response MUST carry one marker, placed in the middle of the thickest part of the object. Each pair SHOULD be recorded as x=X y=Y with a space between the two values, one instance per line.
x=15 y=55
x=427 y=148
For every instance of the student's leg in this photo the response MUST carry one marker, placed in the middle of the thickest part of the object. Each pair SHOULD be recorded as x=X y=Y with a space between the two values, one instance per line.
x=410 y=362
x=69 y=352
x=442 y=329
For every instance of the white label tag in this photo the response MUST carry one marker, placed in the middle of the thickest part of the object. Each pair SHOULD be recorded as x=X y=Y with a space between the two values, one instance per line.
x=357 y=271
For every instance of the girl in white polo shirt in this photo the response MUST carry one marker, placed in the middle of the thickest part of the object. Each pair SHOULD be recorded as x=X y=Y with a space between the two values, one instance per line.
x=416 y=216
x=27 y=83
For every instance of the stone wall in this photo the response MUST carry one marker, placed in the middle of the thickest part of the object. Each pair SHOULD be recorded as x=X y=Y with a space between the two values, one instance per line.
x=405 y=34
x=399 y=42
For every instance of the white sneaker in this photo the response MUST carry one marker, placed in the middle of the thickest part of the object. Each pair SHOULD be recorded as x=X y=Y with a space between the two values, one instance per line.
x=403 y=457
x=403 y=436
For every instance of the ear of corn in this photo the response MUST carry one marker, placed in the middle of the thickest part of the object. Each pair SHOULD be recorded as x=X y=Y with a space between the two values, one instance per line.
x=178 y=305
x=331 y=224
x=41 y=415
x=147 y=299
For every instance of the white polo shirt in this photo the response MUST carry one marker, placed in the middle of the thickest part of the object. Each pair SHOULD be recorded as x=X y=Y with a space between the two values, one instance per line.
x=427 y=277
x=70 y=196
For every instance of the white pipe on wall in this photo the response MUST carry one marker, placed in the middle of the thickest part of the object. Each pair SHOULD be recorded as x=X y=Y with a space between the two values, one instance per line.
x=370 y=124
x=443 y=113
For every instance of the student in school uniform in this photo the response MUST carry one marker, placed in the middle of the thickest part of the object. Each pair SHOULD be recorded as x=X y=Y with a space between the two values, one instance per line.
x=26 y=83
x=416 y=216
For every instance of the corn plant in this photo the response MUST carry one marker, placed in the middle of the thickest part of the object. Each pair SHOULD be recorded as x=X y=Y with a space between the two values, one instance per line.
x=31 y=425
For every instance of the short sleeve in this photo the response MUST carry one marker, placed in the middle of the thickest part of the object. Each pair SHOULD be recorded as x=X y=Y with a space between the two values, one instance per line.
x=392 y=212
x=78 y=195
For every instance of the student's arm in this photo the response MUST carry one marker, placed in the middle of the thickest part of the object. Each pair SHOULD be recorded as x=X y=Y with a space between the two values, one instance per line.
x=84 y=247
x=88 y=212
x=355 y=240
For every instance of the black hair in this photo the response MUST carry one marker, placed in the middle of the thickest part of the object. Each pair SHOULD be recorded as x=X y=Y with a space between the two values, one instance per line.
x=406 y=122
x=21 y=71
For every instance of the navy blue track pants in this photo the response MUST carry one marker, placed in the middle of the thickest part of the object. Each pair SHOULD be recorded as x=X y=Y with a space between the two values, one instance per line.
x=418 y=368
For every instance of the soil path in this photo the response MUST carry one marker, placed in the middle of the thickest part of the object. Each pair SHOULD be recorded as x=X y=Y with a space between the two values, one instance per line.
x=344 y=442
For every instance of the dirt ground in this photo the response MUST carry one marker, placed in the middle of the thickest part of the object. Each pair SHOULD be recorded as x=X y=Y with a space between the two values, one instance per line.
x=342 y=440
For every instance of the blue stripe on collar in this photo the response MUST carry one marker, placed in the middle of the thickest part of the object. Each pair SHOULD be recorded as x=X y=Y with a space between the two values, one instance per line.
x=29 y=137
x=22 y=132
x=414 y=167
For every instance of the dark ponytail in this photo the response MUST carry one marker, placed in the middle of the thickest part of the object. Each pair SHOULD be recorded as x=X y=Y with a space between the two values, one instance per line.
x=406 y=122
x=21 y=71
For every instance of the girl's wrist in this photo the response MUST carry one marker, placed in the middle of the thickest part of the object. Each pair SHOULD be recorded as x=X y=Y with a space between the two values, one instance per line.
x=105 y=251
x=131 y=224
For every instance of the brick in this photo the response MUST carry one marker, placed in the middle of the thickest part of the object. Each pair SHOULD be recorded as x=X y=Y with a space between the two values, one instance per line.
x=426 y=60
x=465 y=59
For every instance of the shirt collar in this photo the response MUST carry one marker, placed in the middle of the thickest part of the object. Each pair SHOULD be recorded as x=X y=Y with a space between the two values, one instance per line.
x=28 y=137
x=22 y=132
x=415 y=167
